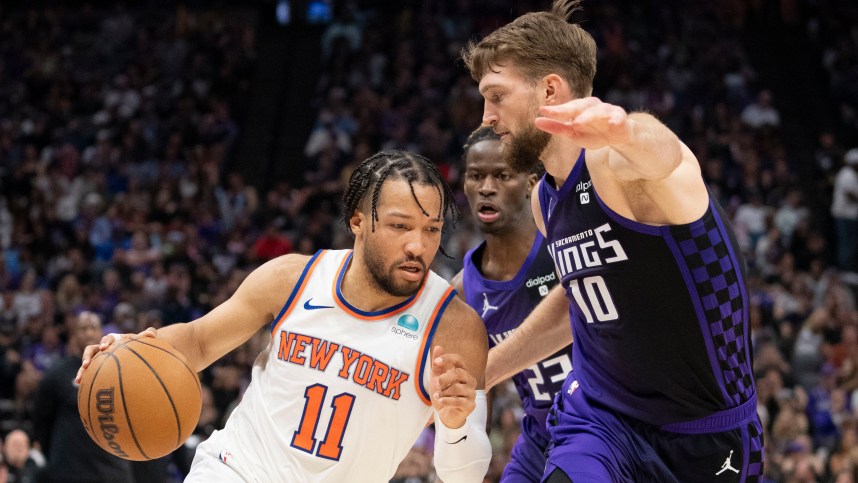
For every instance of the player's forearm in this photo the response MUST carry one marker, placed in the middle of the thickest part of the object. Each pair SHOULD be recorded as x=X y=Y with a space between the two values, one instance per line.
x=653 y=151
x=463 y=455
x=183 y=338
x=545 y=331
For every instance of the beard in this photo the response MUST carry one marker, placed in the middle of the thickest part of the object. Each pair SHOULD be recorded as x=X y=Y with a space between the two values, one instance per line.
x=383 y=276
x=524 y=149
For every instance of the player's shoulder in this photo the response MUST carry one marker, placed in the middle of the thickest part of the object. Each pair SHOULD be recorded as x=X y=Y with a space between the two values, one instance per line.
x=461 y=331
x=461 y=321
x=287 y=264
x=283 y=271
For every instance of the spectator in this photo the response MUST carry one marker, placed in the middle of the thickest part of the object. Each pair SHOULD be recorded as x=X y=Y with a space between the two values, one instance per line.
x=46 y=351
x=327 y=135
x=751 y=219
x=790 y=215
x=16 y=451
x=820 y=408
x=26 y=302
x=271 y=244
x=807 y=356
x=139 y=255
x=844 y=209
x=761 y=114
x=10 y=359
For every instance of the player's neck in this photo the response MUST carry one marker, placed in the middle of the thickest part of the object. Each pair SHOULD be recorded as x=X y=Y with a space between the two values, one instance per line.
x=505 y=254
x=361 y=290
x=559 y=157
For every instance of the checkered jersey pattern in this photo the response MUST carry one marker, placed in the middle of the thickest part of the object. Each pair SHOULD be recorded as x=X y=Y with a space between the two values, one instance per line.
x=721 y=297
x=755 y=455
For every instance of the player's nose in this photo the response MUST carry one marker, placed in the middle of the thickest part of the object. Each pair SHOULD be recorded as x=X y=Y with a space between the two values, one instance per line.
x=489 y=115
x=488 y=186
x=415 y=246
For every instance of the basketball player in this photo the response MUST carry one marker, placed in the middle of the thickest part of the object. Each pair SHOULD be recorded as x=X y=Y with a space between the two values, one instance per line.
x=72 y=456
x=662 y=387
x=503 y=278
x=347 y=384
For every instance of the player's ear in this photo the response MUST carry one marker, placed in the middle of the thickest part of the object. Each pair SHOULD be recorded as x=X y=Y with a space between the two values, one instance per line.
x=555 y=89
x=357 y=223
x=532 y=179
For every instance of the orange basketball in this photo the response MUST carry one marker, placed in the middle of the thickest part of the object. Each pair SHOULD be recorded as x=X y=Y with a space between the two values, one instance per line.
x=139 y=400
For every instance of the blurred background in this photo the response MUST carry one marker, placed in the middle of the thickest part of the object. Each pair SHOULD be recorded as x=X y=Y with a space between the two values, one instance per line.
x=153 y=153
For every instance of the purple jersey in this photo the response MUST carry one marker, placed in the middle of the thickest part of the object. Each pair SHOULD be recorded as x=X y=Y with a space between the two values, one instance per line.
x=503 y=305
x=659 y=313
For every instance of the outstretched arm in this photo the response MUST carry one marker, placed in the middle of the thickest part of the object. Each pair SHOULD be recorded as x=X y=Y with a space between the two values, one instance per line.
x=630 y=155
x=545 y=331
x=647 y=148
x=254 y=304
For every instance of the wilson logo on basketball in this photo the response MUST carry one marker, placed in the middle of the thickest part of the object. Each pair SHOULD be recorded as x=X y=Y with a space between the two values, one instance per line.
x=105 y=408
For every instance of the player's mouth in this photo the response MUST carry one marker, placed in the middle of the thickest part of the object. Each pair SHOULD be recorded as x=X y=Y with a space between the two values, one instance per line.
x=487 y=212
x=412 y=271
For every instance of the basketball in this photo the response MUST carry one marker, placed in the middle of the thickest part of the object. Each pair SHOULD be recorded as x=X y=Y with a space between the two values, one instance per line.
x=139 y=400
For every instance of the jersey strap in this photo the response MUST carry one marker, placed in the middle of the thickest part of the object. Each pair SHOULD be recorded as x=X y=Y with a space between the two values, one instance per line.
x=428 y=335
x=297 y=290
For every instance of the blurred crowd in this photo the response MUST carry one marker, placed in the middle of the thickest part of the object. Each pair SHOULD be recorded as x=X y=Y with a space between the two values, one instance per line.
x=117 y=128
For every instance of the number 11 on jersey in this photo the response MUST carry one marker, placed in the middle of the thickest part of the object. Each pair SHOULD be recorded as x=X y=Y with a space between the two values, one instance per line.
x=305 y=438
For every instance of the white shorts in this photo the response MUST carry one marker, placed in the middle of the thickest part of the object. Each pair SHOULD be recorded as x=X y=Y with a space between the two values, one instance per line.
x=209 y=468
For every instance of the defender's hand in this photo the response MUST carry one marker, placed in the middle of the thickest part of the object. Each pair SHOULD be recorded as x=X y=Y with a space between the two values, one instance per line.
x=452 y=387
x=593 y=124
x=106 y=342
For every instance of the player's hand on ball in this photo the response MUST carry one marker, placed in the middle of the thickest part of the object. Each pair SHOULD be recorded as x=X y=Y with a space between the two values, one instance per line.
x=452 y=387
x=593 y=124
x=106 y=342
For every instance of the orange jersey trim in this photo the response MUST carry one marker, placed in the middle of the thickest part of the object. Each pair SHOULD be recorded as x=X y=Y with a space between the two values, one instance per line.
x=298 y=290
x=343 y=304
x=428 y=335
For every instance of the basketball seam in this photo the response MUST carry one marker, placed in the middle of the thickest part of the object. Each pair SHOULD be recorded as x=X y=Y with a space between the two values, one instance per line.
x=125 y=406
x=164 y=387
x=196 y=378
x=89 y=396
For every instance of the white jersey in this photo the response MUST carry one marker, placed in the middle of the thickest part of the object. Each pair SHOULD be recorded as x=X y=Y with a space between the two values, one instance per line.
x=339 y=394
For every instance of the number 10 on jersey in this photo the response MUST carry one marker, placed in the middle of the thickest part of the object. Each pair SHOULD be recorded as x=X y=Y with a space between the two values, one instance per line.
x=600 y=302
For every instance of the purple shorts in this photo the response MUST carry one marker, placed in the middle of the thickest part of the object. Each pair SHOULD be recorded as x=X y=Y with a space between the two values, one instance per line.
x=593 y=443
x=527 y=461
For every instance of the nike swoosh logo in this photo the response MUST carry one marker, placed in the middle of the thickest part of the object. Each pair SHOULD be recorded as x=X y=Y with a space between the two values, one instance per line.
x=309 y=306
x=460 y=439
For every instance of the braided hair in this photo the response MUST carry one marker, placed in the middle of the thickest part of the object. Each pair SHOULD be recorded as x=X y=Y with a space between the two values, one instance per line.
x=487 y=133
x=367 y=179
